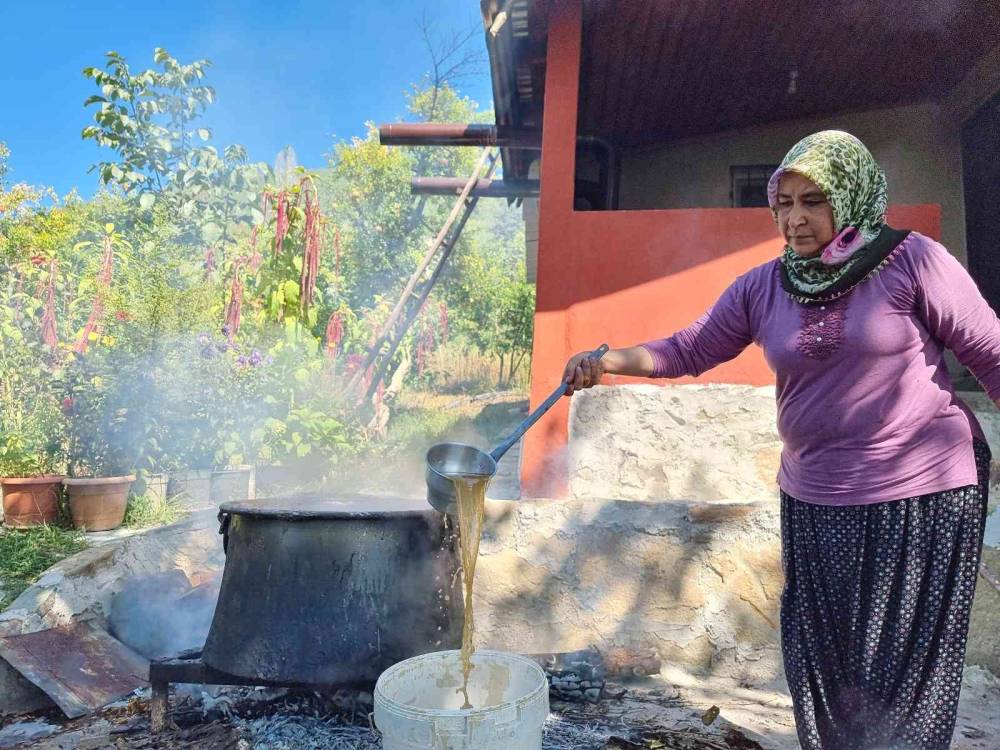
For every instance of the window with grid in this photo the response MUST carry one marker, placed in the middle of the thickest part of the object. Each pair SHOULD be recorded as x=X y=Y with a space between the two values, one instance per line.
x=748 y=184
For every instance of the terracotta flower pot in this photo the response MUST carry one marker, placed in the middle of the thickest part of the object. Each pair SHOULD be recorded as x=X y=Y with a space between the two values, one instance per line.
x=98 y=504
x=30 y=501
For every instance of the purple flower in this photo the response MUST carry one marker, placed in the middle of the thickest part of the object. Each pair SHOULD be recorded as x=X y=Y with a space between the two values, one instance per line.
x=227 y=329
x=242 y=361
x=255 y=358
x=222 y=346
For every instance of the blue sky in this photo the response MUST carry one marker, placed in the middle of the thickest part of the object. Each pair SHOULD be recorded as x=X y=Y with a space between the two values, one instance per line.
x=298 y=72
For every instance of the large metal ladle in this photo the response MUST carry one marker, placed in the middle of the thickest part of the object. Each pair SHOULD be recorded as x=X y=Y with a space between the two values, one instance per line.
x=446 y=459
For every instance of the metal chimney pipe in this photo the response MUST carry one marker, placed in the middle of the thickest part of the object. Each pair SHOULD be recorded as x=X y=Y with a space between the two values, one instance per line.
x=483 y=188
x=450 y=134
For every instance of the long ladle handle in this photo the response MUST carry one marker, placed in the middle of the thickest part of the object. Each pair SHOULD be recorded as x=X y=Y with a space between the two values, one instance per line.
x=522 y=428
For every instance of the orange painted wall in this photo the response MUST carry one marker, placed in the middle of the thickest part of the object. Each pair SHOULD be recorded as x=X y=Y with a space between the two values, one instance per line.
x=624 y=277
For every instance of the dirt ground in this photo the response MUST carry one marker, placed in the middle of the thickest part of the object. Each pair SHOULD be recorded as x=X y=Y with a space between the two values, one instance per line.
x=673 y=711
x=638 y=716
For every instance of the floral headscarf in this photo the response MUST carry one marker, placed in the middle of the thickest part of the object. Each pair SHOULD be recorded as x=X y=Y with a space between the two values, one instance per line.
x=854 y=184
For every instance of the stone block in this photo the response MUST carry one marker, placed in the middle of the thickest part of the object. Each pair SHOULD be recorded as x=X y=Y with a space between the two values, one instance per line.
x=699 y=588
x=713 y=442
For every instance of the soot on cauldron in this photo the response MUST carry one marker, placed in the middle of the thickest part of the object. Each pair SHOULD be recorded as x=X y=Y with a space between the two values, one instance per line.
x=324 y=591
x=332 y=590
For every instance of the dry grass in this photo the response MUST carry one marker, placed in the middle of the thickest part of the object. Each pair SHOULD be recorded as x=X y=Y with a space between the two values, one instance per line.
x=453 y=369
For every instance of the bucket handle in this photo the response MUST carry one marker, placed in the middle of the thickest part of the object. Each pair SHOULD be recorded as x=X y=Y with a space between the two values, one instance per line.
x=371 y=724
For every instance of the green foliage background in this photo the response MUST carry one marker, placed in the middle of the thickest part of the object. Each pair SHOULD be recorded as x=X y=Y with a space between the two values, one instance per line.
x=143 y=376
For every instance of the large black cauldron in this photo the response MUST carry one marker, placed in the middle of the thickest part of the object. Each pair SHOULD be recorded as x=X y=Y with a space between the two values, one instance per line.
x=323 y=591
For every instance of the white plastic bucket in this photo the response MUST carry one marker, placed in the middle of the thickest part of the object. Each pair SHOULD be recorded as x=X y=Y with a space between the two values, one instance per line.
x=418 y=703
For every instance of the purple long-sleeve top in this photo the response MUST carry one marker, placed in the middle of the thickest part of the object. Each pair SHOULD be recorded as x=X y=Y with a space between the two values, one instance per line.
x=866 y=408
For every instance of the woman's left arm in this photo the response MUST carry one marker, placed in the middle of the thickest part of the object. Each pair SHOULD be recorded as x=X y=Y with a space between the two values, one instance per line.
x=954 y=311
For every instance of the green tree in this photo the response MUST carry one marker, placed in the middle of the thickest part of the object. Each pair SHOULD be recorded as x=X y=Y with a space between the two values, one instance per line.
x=150 y=121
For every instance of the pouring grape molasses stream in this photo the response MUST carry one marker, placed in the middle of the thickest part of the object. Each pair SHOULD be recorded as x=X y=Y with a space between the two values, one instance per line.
x=457 y=477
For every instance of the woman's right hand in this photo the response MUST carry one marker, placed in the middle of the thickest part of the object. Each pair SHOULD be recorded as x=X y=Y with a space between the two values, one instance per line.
x=582 y=371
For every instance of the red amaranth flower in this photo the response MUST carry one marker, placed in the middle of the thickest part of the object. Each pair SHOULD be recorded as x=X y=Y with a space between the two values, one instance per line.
x=425 y=345
x=97 y=311
x=209 y=262
x=93 y=320
x=281 y=222
x=107 y=264
x=310 y=254
x=334 y=333
x=367 y=380
x=67 y=406
x=354 y=362
x=255 y=257
x=421 y=356
x=234 y=307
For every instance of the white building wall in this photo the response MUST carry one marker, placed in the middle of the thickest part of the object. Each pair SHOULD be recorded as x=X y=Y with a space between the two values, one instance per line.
x=921 y=155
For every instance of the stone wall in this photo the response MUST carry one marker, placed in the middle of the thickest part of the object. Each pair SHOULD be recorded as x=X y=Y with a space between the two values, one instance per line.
x=699 y=583
x=671 y=540
x=707 y=443
x=83 y=586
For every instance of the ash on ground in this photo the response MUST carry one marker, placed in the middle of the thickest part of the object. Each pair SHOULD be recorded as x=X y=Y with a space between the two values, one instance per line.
x=276 y=719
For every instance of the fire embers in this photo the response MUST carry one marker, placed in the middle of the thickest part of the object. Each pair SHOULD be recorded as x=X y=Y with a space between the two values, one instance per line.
x=576 y=676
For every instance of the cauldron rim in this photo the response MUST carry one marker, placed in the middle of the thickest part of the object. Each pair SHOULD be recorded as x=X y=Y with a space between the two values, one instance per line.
x=323 y=506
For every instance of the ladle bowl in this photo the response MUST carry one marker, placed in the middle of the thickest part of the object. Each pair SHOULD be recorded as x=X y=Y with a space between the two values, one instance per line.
x=446 y=459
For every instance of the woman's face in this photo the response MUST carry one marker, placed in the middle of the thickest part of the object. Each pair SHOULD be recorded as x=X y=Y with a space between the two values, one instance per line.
x=805 y=217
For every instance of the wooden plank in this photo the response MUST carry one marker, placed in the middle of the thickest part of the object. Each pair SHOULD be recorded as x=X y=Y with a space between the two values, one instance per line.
x=978 y=86
x=650 y=28
x=435 y=246
x=595 y=65
x=703 y=67
x=635 y=19
x=666 y=107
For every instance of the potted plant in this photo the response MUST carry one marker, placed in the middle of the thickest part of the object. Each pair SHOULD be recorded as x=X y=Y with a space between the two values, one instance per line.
x=30 y=485
x=100 y=457
x=30 y=420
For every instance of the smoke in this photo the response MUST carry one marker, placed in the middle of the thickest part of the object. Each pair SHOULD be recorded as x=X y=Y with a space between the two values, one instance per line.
x=162 y=615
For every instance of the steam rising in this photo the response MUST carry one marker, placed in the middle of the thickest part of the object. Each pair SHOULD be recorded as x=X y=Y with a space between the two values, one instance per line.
x=163 y=615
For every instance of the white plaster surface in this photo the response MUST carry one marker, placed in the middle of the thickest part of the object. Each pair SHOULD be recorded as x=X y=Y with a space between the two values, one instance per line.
x=699 y=583
x=711 y=443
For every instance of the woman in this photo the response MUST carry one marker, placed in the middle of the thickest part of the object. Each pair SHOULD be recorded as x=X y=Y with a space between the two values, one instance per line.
x=884 y=470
